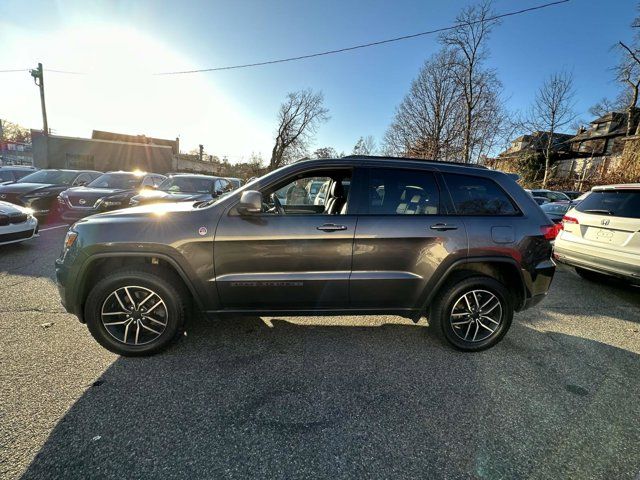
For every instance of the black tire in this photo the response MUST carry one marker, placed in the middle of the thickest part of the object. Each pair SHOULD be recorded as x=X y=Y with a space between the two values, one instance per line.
x=440 y=313
x=590 y=275
x=166 y=289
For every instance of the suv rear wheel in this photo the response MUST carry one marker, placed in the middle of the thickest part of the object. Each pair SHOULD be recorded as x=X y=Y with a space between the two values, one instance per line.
x=473 y=313
x=134 y=312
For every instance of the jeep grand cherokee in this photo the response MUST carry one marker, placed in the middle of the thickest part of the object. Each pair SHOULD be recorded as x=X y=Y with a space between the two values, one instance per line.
x=464 y=246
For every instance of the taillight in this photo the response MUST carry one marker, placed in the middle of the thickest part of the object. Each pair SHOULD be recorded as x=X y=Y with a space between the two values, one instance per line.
x=550 y=232
x=567 y=219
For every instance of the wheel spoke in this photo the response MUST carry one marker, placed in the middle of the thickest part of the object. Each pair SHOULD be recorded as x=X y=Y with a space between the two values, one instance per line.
x=150 y=329
x=490 y=319
x=133 y=303
x=137 y=332
x=152 y=308
x=115 y=294
x=475 y=297
x=114 y=313
x=484 y=312
x=476 y=333
x=457 y=324
x=485 y=327
x=467 y=301
x=460 y=314
x=116 y=323
x=145 y=300
x=147 y=317
x=126 y=332
x=468 y=330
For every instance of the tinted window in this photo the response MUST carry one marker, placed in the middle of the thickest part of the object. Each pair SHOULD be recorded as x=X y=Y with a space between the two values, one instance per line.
x=122 y=181
x=186 y=184
x=619 y=203
x=59 y=177
x=5 y=176
x=478 y=196
x=558 y=208
x=402 y=192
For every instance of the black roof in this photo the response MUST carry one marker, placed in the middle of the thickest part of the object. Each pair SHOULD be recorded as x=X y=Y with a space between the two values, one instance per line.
x=414 y=159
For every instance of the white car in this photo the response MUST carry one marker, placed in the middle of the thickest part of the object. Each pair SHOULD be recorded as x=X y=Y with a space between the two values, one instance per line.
x=16 y=223
x=601 y=234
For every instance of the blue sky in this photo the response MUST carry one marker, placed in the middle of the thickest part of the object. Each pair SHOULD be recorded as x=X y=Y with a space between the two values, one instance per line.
x=233 y=112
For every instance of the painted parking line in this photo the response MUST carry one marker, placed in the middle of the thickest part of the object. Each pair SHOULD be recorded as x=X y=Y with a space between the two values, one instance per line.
x=53 y=228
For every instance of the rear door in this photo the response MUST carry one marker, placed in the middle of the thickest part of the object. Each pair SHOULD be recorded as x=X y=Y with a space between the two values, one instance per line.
x=403 y=236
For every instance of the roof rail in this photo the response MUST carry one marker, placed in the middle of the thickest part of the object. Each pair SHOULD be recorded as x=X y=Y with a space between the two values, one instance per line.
x=380 y=157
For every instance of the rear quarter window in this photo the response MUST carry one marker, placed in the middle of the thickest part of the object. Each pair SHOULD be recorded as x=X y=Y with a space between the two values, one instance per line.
x=478 y=196
x=617 y=203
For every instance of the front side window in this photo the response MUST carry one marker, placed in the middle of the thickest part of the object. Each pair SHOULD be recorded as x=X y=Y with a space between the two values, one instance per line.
x=478 y=196
x=186 y=184
x=296 y=196
x=402 y=192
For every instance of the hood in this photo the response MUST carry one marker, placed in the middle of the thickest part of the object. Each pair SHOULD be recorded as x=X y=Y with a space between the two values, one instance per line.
x=7 y=208
x=161 y=196
x=135 y=214
x=21 y=188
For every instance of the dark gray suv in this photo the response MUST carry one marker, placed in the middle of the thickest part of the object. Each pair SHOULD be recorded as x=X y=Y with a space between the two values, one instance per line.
x=464 y=246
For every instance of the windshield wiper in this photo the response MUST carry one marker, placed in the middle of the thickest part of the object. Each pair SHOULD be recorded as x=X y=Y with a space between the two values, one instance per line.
x=595 y=210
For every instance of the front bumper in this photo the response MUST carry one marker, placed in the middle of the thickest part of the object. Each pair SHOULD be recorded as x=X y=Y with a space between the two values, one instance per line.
x=19 y=232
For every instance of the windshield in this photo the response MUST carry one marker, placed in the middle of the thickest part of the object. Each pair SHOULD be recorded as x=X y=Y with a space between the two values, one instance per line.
x=187 y=185
x=118 y=181
x=58 y=177
x=555 y=208
x=619 y=203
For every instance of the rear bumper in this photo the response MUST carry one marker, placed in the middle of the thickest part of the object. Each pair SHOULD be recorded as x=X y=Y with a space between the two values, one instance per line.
x=538 y=281
x=577 y=255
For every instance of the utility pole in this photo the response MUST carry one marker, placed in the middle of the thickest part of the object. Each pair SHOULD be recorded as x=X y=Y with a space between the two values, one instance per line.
x=201 y=151
x=38 y=79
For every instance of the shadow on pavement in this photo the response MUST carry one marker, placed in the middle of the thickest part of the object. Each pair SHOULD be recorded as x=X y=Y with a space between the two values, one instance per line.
x=237 y=398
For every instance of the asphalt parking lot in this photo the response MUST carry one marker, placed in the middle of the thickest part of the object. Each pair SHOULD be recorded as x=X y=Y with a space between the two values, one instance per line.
x=336 y=397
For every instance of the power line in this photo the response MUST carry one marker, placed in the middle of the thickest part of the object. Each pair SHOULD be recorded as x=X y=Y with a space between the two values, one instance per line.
x=331 y=52
x=365 y=45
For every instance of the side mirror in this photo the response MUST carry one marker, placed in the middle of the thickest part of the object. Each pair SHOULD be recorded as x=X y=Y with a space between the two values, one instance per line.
x=250 y=202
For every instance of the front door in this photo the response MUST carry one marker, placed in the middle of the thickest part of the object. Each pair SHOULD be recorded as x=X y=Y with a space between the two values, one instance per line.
x=403 y=236
x=295 y=255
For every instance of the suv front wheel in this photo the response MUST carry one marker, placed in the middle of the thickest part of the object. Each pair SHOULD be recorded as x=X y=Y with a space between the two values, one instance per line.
x=135 y=312
x=473 y=313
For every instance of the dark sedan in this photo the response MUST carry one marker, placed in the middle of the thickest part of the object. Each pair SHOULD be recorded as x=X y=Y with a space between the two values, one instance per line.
x=40 y=189
x=555 y=211
x=110 y=191
x=184 y=188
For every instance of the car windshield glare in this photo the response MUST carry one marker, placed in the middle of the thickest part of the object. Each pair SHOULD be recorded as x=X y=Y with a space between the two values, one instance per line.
x=58 y=177
x=618 y=203
x=186 y=185
x=117 y=181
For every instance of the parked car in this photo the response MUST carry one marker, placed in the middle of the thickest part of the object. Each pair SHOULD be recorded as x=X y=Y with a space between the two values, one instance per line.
x=17 y=223
x=313 y=188
x=184 y=188
x=39 y=190
x=549 y=194
x=110 y=191
x=235 y=182
x=464 y=245
x=12 y=173
x=572 y=194
x=555 y=211
x=541 y=200
x=601 y=235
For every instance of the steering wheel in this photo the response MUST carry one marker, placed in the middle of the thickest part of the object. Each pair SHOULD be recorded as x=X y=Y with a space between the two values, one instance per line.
x=277 y=206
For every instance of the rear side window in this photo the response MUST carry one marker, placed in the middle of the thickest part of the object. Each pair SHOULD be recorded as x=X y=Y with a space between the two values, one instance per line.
x=402 y=192
x=618 y=203
x=478 y=196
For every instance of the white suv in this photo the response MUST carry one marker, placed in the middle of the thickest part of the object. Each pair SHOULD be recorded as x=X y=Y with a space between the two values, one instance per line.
x=602 y=233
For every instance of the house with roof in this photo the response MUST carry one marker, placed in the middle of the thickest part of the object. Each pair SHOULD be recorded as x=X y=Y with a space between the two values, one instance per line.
x=536 y=142
x=605 y=135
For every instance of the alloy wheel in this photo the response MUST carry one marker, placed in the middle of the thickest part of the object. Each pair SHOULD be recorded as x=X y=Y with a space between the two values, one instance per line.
x=134 y=315
x=476 y=315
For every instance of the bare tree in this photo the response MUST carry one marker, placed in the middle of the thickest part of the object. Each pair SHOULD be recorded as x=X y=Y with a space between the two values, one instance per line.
x=427 y=121
x=326 y=152
x=468 y=41
x=606 y=105
x=298 y=119
x=628 y=73
x=365 y=146
x=552 y=109
x=12 y=132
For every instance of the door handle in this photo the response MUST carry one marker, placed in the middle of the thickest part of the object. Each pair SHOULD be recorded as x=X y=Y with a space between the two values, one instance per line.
x=331 y=227
x=442 y=227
